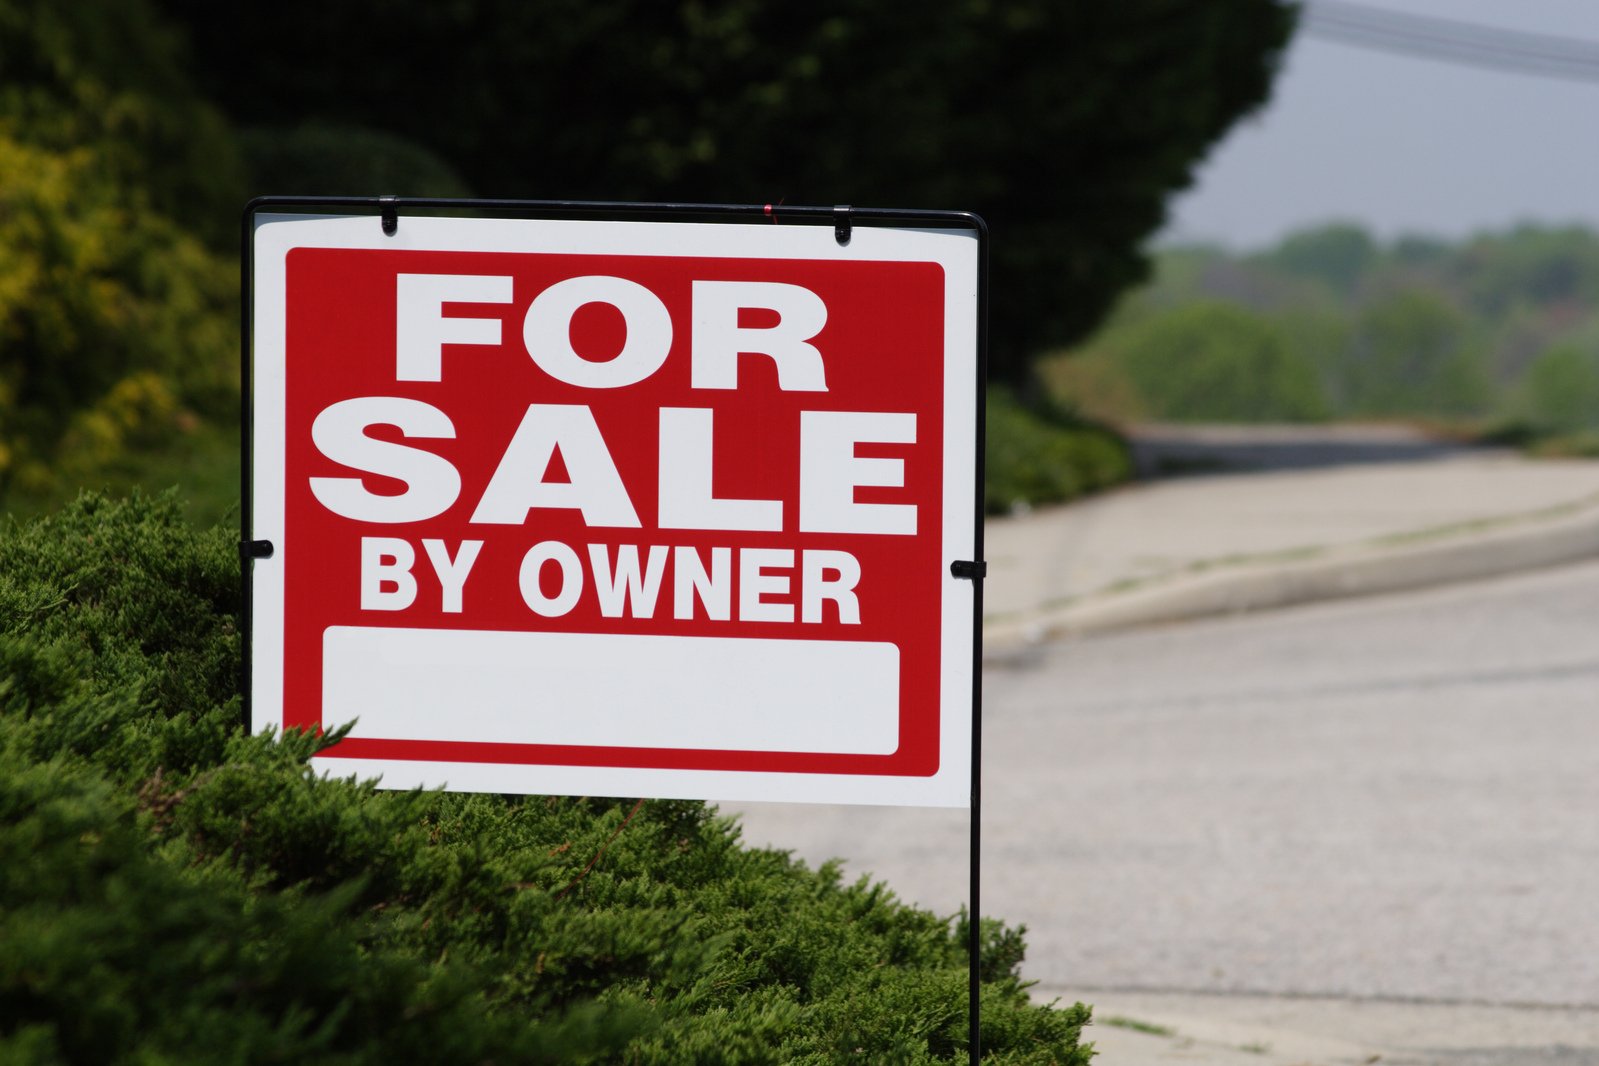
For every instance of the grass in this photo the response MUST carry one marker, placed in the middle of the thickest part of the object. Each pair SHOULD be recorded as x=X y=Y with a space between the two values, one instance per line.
x=1116 y=1021
x=1484 y=525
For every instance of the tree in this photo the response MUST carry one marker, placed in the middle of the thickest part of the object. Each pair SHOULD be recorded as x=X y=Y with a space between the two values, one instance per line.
x=1531 y=264
x=1336 y=255
x=1413 y=352
x=1562 y=389
x=1212 y=361
x=1065 y=125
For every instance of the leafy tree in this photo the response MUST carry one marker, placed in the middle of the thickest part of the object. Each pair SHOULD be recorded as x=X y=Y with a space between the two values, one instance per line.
x=1533 y=265
x=1337 y=255
x=1562 y=390
x=1065 y=125
x=1213 y=361
x=1418 y=251
x=1491 y=327
x=1414 y=352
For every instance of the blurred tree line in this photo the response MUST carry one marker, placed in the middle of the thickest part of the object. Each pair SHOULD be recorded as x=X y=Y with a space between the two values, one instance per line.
x=131 y=132
x=1501 y=330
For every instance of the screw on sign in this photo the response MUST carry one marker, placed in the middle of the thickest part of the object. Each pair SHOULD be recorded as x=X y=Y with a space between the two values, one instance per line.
x=619 y=507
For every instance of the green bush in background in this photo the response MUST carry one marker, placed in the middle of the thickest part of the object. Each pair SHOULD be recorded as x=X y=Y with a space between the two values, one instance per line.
x=1192 y=361
x=173 y=890
x=1213 y=362
x=1562 y=390
x=1413 y=353
x=117 y=324
x=1045 y=457
x=116 y=328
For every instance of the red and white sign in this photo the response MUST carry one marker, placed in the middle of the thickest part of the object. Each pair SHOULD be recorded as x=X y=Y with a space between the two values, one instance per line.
x=618 y=508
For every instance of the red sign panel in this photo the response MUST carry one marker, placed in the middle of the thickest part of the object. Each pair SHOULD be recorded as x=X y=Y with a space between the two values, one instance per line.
x=618 y=508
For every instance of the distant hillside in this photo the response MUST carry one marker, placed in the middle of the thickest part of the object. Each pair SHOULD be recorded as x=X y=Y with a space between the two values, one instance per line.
x=1499 y=330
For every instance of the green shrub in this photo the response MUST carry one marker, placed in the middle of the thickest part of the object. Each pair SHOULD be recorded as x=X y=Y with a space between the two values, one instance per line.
x=172 y=890
x=1413 y=352
x=118 y=187
x=116 y=328
x=108 y=77
x=1040 y=458
x=1562 y=390
x=1213 y=361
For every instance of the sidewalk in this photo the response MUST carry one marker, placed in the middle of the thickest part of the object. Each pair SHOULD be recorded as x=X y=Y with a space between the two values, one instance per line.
x=1154 y=1027
x=1164 y=551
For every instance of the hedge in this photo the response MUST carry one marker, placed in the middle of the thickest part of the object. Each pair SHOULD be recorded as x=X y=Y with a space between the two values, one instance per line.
x=174 y=890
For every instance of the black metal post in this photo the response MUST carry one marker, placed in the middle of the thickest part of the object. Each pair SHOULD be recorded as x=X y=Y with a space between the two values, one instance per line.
x=974 y=981
x=974 y=985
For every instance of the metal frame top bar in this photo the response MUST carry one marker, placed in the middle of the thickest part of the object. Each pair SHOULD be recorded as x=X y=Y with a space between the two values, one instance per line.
x=777 y=213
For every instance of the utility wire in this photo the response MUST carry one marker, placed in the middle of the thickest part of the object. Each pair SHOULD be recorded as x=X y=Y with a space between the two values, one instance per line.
x=1451 y=40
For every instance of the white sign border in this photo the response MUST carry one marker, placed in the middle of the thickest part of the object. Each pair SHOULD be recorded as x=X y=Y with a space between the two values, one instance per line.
x=957 y=251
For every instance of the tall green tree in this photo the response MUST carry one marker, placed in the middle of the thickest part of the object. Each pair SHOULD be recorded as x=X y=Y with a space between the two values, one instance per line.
x=1067 y=125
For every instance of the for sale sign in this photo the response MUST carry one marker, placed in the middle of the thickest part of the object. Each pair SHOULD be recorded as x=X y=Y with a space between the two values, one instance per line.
x=618 y=507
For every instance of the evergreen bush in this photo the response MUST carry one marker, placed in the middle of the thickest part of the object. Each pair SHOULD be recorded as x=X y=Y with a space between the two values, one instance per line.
x=174 y=890
x=1042 y=457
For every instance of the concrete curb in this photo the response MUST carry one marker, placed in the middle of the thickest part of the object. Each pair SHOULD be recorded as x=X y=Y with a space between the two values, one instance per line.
x=1566 y=534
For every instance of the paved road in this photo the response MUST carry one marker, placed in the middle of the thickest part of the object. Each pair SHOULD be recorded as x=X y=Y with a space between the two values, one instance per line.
x=1181 y=449
x=1387 y=800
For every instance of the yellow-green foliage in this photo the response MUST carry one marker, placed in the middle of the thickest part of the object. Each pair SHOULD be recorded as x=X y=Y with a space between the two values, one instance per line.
x=108 y=76
x=173 y=890
x=112 y=321
x=117 y=326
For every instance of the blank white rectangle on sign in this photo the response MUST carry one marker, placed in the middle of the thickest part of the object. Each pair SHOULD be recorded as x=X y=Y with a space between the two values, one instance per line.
x=607 y=689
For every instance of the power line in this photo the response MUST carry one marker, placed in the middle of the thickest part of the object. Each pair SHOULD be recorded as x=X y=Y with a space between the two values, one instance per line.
x=1451 y=40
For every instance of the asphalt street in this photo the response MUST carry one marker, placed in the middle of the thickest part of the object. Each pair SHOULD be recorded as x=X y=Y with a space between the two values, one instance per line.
x=1388 y=801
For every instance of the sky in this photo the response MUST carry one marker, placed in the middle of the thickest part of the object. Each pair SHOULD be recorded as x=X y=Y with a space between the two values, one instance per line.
x=1407 y=145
